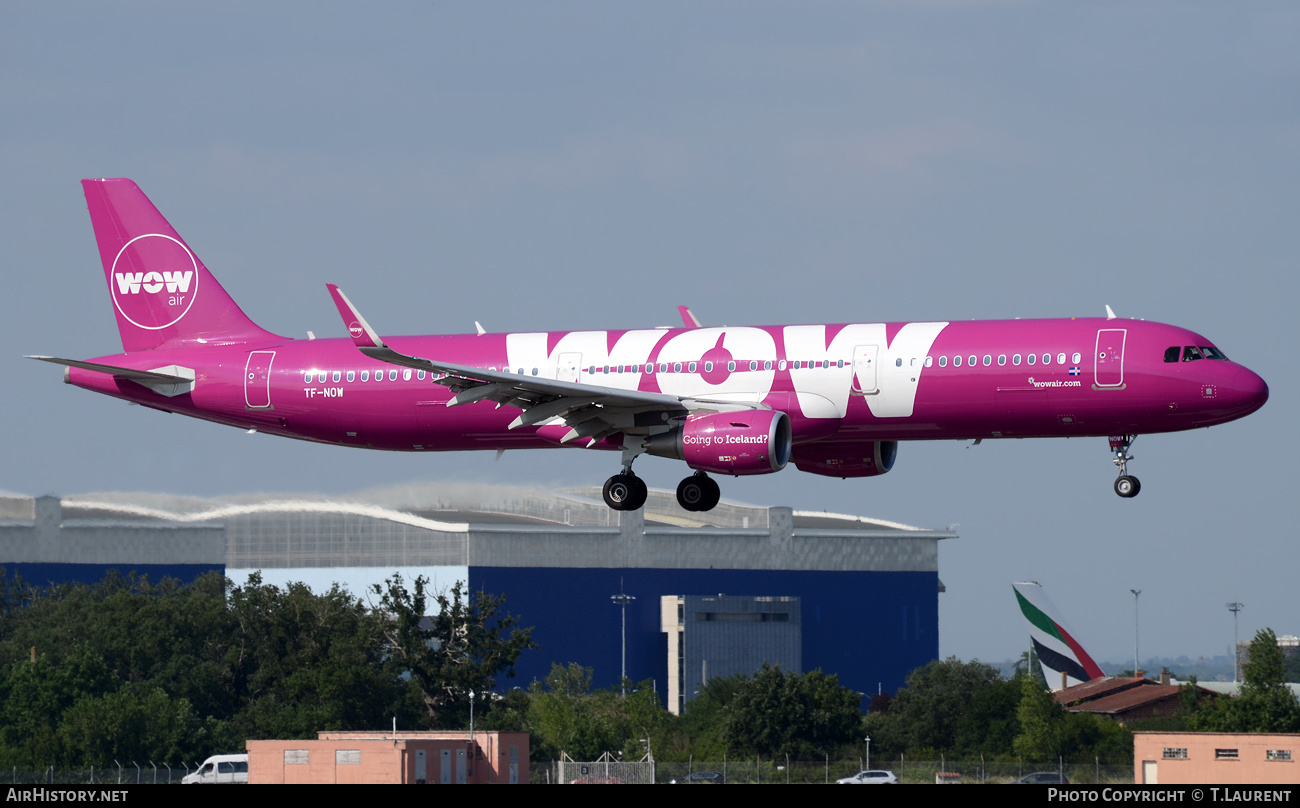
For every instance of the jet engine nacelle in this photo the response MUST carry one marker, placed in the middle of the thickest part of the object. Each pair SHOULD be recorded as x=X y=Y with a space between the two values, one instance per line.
x=845 y=459
x=735 y=443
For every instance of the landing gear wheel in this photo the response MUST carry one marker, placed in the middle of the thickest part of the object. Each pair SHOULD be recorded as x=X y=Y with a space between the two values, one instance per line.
x=625 y=492
x=1127 y=486
x=698 y=493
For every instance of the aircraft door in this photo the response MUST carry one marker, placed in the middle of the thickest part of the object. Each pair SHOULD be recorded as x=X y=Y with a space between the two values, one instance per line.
x=864 y=369
x=567 y=371
x=257 y=380
x=1108 y=370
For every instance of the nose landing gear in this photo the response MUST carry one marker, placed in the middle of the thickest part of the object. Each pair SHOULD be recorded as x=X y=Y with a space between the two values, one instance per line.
x=698 y=492
x=1125 y=485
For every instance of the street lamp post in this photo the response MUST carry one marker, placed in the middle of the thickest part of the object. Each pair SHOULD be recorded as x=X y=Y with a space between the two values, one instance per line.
x=1235 y=607
x=622 y=600
x=1135 y=592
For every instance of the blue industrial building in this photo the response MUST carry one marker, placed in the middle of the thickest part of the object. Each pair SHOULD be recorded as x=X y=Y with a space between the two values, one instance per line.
x=865 y=591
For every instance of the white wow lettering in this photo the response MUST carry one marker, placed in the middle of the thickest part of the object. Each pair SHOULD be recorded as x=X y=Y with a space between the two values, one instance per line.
x=151 y=282
x=822 y=391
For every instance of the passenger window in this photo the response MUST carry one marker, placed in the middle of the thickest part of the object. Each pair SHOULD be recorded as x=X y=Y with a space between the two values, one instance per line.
x=1047 y=359
x=988 y=360
x=1060 y=359
x=338 y=377
x=1002 y=359
x=365 y=375
x=1077 y=356
x=677 y=367
x=731 y=365
x=406 y=374
x=1015 y=360
x=943 y=361
x=392 y=374
x=971 y=360
x=311 y=374
x=708 y=367
x=929 y=360
x=956 y=361
x=839 y=364
x=690 y=368
x=780 y=365
x=1032 y=358
x=352 y=375
x=898 y=363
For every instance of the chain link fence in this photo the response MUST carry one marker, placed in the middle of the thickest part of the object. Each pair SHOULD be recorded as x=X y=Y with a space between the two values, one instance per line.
x=143 y=773
x=761 y=770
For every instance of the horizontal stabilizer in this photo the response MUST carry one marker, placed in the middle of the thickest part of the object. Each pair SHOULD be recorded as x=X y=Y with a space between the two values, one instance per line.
x=169 y=381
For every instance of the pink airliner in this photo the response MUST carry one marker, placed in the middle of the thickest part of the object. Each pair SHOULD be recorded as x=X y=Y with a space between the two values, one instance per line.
x=834 y=400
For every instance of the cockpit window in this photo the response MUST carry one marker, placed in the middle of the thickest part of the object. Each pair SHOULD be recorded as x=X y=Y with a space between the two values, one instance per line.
x=1191 y=353
x=1172 y=353
x=1212 y=353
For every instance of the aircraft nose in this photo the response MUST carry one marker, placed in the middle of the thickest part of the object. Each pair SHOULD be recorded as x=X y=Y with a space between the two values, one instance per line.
x=1246 y=390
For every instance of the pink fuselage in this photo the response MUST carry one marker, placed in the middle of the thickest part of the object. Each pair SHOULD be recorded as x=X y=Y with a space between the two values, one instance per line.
x=867 y=382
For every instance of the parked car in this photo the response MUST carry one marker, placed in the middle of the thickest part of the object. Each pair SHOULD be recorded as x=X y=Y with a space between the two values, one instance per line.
x=869 y=777
x=715 y=778
x=220 y=769
x=1042 y=779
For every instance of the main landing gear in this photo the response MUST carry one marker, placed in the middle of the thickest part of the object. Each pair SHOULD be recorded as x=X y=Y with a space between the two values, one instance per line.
x=625 y=492
x=1125 y=485
x=698 y=492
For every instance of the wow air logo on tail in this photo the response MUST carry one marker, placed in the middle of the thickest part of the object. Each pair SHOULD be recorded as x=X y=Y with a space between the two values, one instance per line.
x=154 y=281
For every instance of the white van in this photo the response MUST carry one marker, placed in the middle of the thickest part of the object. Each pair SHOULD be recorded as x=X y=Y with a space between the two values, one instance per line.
x=220 y=769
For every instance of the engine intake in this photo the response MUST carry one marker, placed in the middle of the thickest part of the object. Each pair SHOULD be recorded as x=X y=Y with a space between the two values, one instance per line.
x=736 y=443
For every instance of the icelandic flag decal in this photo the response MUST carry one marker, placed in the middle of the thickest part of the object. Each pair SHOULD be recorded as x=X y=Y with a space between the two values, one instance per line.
x=1074 y=371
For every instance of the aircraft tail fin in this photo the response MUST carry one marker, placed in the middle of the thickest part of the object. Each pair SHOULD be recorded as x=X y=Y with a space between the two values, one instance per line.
x=1057 y=649
x=161 y=291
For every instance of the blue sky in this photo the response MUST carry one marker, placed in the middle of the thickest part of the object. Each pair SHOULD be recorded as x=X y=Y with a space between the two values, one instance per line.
x=592 y=165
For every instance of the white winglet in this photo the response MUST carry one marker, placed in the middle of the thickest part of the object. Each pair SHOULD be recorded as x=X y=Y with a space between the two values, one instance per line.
x=1110 y=315
x=479 y=328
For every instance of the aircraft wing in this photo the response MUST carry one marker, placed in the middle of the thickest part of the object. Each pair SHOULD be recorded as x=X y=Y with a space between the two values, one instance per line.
x=591 y=412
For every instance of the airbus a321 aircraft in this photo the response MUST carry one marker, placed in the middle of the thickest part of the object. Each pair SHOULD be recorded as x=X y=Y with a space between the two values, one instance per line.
x=834 y=400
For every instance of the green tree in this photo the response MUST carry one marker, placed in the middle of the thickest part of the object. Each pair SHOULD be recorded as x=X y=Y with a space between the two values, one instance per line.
x=567 y=716
x=1265 y=703
x=300 y=662
x=949 y=706
x=801 y=715
x=462 y=648
x=1041 y=722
